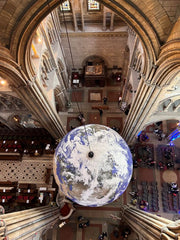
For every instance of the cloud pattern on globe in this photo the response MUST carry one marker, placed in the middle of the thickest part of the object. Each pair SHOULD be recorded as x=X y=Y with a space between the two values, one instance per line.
x=98 y=180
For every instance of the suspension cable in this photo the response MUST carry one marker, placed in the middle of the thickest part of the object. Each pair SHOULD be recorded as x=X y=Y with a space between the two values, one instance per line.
x=70 y=49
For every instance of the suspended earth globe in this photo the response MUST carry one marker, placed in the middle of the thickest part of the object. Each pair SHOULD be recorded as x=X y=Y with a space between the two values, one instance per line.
x=92 y=165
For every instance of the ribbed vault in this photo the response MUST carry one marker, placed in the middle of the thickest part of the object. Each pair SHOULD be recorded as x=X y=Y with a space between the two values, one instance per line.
x=150 y=23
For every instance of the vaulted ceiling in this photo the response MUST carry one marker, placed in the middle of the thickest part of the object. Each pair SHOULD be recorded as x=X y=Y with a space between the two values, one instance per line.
x=157 y=13
x=152 y=20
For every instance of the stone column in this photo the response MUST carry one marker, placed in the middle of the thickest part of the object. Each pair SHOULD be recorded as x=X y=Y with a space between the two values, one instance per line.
x=65 y=98
x=56 y=18
x=136 y=42
x=150 y=226
x=112 y=21
x=74 y=16
x=152 y=86
x=104 y=19
x=28 y=223
x=82 y=14
x=30 y=91
x=54 y=233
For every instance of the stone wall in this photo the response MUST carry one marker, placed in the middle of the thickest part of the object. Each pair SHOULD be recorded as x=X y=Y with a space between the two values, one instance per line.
x=109 y=46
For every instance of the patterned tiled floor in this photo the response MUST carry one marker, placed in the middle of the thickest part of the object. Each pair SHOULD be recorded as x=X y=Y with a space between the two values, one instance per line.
x=106 y=218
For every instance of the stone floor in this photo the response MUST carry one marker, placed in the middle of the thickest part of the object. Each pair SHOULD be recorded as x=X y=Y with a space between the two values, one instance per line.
x=106 y=218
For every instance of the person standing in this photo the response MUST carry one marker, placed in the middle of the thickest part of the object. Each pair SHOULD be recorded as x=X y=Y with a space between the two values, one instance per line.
x=105 y=100
x=81 y=118
x=119 y=100
x=100 y=112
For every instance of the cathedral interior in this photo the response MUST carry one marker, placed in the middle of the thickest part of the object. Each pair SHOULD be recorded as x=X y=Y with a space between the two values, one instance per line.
x=65 y=64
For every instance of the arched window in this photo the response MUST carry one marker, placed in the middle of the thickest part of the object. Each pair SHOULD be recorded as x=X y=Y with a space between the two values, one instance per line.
x=46 y=67
x=93 y=5
x=137 y=62
x=51 y=32
x=65 y=6
x=58 y=95
x=164 y=105
x=62 y=72
x=46 y=62
x=176 y=105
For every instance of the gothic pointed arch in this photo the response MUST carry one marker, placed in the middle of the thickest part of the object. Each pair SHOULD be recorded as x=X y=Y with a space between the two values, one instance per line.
x=164 y=81
x=51 y=32
x=45 y=68
x=132 y=13
x=62 y=71
x=58 y=95
x=94 y=58
x=29 y=91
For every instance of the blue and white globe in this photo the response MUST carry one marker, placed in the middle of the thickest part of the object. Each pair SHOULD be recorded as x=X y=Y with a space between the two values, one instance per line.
x=92 y=165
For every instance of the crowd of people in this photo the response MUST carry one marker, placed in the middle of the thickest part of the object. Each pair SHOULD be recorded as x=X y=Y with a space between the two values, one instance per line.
x=143 y=205
x=83 y=222
x=102 y=236
x=143 y=157
x=116 y=128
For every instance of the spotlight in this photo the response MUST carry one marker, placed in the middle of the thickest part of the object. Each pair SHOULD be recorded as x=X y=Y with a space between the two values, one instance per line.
x=16 y=118
x=2 y=82
x=39 y=40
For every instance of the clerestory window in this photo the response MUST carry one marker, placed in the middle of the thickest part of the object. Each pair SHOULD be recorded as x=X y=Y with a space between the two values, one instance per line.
x=93 y=5
x=65 y=6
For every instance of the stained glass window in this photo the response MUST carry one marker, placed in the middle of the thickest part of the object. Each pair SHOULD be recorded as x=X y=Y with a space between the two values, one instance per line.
x=93 y=5
x=65 y=6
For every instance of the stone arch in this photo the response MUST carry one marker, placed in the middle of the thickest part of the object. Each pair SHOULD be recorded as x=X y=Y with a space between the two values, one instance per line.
x=170 y=105
x=138 y=64
x=168 y=64
x=167 y=71
x=8 y=102
x=131 y=14
x=176 y=105
x=159 y=119
x=46 y=62
x=46 y=67
x=94 y=57
x=62 y=70
x=5 y=123
x=126 y=61
x=58 y=96
x=17 y=80
x=51 y=32
x=143 y=23
x=10 y=70
x=165 y=104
